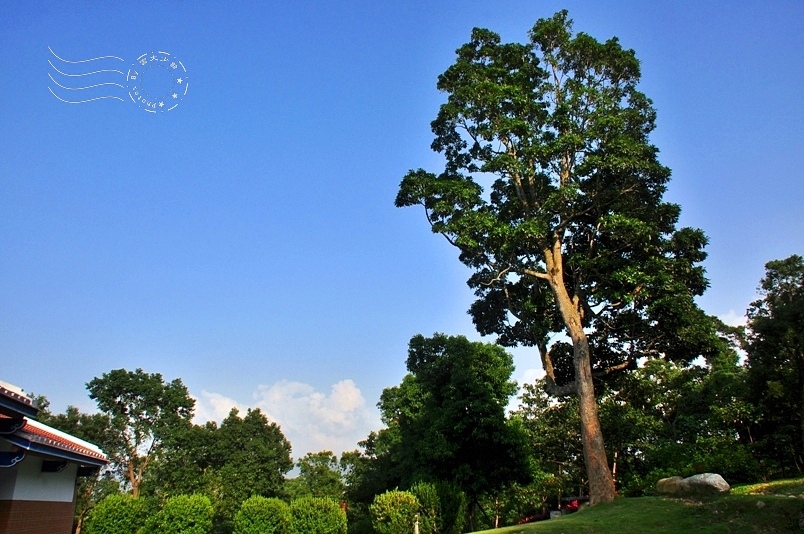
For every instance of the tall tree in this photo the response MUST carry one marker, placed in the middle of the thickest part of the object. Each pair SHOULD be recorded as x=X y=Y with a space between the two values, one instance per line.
x=775 y=347
x=573 y=235
x=143 y=410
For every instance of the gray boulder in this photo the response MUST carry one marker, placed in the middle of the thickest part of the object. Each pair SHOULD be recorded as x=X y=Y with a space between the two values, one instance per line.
x=703 y=484
x=670 y=486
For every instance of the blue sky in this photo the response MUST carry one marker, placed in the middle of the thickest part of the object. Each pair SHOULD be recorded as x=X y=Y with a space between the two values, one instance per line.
x=246 y=241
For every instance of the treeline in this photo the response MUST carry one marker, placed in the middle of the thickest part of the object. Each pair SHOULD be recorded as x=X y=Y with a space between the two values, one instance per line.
x=450 y=454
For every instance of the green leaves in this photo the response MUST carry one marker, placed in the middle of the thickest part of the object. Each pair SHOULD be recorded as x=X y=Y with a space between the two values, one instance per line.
x=143 y=410
x=450 y=414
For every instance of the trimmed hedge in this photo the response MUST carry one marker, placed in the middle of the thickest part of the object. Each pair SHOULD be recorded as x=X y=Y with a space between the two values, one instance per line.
x=182 y=514
x=263 y=515
x=317 y=515
x=115 y=514
x=394 y=512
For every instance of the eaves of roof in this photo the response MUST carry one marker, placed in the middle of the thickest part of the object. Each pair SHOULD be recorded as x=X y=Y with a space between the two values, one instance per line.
x=39 y=438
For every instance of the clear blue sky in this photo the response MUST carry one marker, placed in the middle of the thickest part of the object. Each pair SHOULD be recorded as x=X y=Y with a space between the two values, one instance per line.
x=246 y=241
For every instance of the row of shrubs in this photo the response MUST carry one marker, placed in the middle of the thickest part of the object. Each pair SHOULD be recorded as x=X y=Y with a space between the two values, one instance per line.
x=394 y=512
x=193 y=514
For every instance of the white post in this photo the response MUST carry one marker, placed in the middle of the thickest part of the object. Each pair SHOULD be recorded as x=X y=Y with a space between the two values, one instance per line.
x=416 y=524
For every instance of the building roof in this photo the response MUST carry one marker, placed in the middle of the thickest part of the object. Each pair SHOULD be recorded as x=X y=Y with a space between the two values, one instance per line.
x=38 y=437
x=14 y=401
x=18 y=427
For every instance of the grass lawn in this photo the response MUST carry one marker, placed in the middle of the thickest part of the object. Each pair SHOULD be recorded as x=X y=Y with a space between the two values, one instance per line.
x=771 y=507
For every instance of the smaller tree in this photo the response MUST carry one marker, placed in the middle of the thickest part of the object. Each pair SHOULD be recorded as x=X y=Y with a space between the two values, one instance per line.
x=450 y=412
x=143 y=409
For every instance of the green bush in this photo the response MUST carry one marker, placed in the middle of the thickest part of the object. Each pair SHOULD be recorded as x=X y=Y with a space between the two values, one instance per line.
x=115 y=514
x=454 y=508
x=263 y=515
x=394 y=512
x=317 y=515
x=429 y=507
x=182 y=514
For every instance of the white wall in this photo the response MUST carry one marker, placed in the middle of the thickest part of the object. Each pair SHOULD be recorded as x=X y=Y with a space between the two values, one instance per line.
x=34 y=485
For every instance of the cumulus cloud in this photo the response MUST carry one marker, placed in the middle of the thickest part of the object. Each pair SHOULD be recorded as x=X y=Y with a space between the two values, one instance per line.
x=732 y=318
x=214 y=407
x=311 y=420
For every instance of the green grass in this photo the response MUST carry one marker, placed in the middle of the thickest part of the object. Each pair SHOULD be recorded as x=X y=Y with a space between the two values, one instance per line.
x=760 y=508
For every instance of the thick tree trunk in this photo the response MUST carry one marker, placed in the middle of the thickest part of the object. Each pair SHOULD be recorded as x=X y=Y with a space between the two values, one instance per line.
x=601 y=482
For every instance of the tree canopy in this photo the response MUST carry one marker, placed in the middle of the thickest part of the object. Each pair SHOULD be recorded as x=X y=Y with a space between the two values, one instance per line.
x=143 y=409
x=775 y=347
x=552 y=192
x=319 y=476
x=449 y=413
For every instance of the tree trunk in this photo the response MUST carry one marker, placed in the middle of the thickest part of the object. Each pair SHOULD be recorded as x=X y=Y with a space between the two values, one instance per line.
x=601 y=482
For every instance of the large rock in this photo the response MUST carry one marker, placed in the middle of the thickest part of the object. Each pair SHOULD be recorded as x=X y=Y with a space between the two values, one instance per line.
x=703 y=484
x=670 y=486
x=707 y=484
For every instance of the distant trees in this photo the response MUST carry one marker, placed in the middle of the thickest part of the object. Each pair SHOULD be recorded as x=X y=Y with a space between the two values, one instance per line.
x=319 y=476
x=775 y=346
x=449 y=445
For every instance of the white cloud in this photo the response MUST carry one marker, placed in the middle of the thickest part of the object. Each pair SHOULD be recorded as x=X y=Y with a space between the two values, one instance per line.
x=529 y=376
x=311 y=420
x=214 y=407
x=732 y=318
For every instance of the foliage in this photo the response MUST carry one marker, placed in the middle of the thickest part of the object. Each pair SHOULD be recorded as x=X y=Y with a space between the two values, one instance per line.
x=430 y=521
x=250 y=456
x=373 y=470
x=244 y=456
x=450 y=415
x=319 y=476
x=187 y=463
x=262 y=515
x=662 y=419
x=572 y=235
x=182 y=514
x=143 y=410
x=394 y=512
x=117 y=513
x=775 y=347
x=317 y=515
x=454 y=507
x=94 y=428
